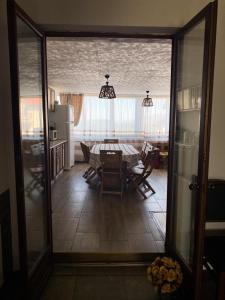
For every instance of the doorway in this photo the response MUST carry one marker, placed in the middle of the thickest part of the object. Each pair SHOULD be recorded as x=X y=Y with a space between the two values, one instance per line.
x=192 y=262
x=83 y=221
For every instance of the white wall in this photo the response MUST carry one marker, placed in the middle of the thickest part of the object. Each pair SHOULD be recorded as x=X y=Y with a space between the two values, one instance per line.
x=7 y=176
x=217 y=146
x=165 y=13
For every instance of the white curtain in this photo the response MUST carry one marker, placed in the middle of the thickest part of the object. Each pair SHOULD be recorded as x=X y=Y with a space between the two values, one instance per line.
x=155 y=120
x=123 y=117
x=76 y=100
x=95 y=119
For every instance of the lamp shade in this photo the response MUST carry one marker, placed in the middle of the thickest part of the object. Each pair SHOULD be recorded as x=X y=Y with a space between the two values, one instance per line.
x=147 y=102
x=107 y=91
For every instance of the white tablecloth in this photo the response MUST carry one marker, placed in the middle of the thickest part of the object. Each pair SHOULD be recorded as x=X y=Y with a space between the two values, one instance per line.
x=130 y=154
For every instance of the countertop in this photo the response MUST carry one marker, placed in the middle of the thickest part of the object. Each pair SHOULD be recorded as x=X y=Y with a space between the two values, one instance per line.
x=56 y=143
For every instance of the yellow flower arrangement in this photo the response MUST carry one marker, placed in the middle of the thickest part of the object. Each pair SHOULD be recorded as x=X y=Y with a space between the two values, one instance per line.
x=166 y=274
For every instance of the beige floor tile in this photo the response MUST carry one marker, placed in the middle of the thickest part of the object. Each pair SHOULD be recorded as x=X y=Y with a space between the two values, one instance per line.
x=86 y=242
x=93 y=223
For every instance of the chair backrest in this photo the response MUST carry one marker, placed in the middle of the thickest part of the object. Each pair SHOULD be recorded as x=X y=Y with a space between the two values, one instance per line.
x=111 y=179
x=143 y=153
x=86 y=151
x=111 y=141
x=154 y=155
x=147 y=147
x=148 y=165
x=148 y=158
x=111 y=160
x=144 y=146
x=149 y=162
x=215 y=201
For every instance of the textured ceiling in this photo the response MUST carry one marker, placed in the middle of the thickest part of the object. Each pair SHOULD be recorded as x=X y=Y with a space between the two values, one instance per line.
x=78 y=65
x=30 y=77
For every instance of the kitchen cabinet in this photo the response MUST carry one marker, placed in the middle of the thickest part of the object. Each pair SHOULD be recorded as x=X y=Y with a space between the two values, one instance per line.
x=57 y=158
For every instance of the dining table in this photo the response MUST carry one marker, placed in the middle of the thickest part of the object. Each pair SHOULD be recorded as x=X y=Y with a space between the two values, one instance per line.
x=129 y=154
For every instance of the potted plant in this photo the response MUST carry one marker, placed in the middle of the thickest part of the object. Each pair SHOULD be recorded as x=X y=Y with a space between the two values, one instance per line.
x=165 y=273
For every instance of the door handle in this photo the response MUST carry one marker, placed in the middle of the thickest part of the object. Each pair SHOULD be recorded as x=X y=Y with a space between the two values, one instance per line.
x=194 y=186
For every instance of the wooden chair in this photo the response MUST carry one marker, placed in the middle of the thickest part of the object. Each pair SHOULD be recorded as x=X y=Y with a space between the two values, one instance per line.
x=143 y=153
x=163 y=154
x=156 y=158
x=139 y=176
x=214 y=247
x=90 y=172
x=111 y=141
x=35 y=167
x=111 y=172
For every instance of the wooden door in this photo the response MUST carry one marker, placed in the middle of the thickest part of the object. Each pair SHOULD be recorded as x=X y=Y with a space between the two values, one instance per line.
x=192 y=82
x=29 y=105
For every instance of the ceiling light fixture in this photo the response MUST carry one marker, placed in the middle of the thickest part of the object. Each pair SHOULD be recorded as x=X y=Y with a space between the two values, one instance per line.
x=147 y=102
x=107 y=91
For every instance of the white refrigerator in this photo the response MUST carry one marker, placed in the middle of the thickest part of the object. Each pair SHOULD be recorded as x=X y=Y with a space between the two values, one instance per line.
x=63 y=117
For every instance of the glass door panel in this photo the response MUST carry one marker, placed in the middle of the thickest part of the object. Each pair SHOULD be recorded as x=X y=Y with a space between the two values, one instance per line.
x=192 y=84
x=187 y=137
x=32 y=139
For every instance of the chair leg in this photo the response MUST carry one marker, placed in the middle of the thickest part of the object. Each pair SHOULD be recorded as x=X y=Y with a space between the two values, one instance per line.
x=91 y=176
x=133 y=180
x=91 y=172
x=87 y=172
x=139 y=189
x=149 y=186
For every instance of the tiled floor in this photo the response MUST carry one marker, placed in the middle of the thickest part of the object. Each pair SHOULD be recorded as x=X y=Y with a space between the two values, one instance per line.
x=99 y=283
x=84 y=222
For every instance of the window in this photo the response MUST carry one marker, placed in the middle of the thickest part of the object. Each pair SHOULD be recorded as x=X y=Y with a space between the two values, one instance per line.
x=123 y=117
x=31 y=118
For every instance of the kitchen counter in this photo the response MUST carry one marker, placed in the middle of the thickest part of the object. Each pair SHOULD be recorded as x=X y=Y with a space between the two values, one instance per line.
x=56 y=143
